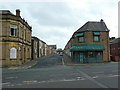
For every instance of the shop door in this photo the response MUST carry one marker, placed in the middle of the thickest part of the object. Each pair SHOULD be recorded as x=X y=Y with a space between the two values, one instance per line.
x=81 y=57
x=99 y=57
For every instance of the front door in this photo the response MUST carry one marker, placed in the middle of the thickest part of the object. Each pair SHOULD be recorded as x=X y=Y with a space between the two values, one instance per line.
x=81 y=57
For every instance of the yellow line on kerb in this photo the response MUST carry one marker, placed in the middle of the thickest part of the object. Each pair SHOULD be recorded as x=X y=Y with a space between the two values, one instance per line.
x=63 y=61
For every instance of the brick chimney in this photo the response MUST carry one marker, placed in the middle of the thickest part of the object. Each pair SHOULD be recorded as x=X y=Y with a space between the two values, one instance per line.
x=101 y=20
x=17 y=12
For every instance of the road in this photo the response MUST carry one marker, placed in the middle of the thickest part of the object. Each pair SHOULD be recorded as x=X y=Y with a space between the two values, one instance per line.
x=50 y=72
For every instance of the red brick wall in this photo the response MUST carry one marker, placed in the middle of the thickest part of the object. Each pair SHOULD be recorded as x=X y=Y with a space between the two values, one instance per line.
x=104 y=40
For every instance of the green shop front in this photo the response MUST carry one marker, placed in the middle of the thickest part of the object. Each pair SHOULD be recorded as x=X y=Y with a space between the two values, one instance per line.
x=87 y=53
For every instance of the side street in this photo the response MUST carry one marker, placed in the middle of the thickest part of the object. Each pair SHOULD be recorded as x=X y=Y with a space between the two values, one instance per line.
x=89 y=59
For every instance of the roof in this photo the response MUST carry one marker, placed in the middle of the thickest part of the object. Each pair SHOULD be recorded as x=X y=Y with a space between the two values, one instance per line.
x=33 y=37
x=115 y=41
x=6 y=12
x=87 y=47
x=36 y=38
x=54 y=46
x=93 y=26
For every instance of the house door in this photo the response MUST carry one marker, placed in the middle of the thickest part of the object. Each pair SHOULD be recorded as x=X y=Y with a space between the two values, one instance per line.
x=81 y=57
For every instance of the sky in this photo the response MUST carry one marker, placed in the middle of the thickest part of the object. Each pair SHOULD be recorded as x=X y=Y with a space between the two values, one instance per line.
x=54 y=21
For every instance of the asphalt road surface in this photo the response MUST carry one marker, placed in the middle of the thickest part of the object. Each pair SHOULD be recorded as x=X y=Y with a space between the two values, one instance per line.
x=51 y=72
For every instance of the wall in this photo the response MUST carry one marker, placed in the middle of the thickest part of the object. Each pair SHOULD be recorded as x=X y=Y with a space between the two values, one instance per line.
x=104 y=40
x=22 y=42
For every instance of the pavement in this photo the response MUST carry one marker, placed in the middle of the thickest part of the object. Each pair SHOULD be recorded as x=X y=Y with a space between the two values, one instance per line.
x=68 y=61
x=26 y=65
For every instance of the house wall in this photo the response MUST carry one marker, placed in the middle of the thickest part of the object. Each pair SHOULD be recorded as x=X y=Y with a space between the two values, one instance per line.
x=22 y=41
x=115 y=51
x=35 y=48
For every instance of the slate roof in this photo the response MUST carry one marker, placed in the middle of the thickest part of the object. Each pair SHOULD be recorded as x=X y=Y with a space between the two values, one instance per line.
x=93 y=26
x=6 y=12
x=34 y=37
x=54 y=46
x=115 y=41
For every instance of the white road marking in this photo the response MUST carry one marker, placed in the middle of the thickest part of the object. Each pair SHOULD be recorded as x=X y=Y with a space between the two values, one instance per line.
x=67 y=80
x=113 y=75
x=6 y=83
x=52 y=80
x=10 y=77
x=93 y=80
x=78 y=77
x=97 y=72
x=28 y=82
x=95 y=77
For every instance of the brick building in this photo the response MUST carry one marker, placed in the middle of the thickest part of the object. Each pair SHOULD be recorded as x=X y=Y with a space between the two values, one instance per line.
x=15 y=39
x=90 y=43
x=115 y=49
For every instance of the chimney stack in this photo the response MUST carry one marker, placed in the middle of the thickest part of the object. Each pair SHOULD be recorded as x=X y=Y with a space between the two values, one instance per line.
x=101 y=20
x=17 y=12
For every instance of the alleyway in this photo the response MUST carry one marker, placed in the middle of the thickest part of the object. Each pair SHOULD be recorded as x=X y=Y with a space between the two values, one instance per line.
x=50 y=72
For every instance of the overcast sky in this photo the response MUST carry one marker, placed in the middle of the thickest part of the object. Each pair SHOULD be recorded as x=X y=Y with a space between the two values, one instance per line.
x=55 y=21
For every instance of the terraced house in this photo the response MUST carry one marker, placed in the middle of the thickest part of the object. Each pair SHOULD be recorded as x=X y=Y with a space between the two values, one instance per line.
x=40 y=48
x=15 y=39
x=90 y=43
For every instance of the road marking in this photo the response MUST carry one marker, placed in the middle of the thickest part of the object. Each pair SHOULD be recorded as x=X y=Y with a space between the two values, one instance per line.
x=98 y=72
x=52 y=80
x=63 y=61
x=6 y=83
x=95 y=77
x=93 y=80
x=28 y=82
x=113 y=75
x=10 y=77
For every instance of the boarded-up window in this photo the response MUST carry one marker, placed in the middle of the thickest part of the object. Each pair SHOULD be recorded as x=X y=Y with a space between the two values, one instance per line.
x=13 y=53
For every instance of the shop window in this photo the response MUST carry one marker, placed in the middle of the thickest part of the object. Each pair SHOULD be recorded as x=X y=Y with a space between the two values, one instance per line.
x=13 y=53
x=91 y=54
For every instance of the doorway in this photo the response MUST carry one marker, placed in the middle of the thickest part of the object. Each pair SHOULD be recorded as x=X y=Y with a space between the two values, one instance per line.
x=81 y=56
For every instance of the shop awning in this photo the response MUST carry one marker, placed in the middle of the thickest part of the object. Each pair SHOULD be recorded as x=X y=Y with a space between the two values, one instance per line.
x=87 y=47
x=79 y=34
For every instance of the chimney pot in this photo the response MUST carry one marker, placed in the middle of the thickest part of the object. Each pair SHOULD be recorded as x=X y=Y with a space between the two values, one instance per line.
x=17 y=12
x=102 y=20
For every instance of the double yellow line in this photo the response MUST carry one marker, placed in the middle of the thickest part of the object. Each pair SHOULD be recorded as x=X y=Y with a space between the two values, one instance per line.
x=63 y=61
